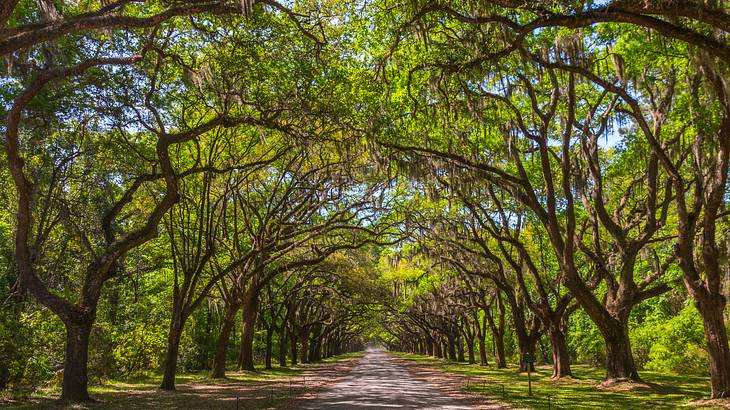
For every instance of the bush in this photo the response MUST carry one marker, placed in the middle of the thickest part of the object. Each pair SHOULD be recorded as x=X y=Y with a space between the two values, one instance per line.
x=585 y=341
x=138 y=348
x=674 y=344
x=29 y=351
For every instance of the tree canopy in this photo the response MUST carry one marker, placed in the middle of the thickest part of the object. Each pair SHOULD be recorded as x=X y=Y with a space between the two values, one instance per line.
x=317 y=175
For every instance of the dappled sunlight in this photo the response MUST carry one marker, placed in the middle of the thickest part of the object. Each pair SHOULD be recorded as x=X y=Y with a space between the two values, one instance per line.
x=586 y=390
x=380 y=381
x=344 y=204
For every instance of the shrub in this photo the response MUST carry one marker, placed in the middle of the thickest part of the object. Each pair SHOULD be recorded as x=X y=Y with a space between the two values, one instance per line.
x=675 y=344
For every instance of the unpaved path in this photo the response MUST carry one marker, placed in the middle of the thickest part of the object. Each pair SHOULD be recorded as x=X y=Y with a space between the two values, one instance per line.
x=378 y=381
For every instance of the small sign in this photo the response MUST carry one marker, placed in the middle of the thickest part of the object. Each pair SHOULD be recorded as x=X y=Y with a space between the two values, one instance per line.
x=529 y=358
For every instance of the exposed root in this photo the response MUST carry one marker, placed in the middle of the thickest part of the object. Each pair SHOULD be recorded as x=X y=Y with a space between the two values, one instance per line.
x=621 y=385
x=712 y=403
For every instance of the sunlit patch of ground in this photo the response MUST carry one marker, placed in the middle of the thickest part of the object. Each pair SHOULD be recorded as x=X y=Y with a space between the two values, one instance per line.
x=240 y=390
x=455 y=384
x=712 y=404
x=625 y=386
x=378 y=381
x=583 y=391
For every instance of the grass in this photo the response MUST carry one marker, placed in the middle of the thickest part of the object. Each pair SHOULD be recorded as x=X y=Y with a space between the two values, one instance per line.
x=582 y=391
x=263 y=388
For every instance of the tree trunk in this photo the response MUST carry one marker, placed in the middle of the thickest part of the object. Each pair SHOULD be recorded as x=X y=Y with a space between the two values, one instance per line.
x=470 y=351
x=293 y=346
x=248 y=332
x=304 y=346
x=479 y=333
x=315 y=353
x=611 y=318
x=482 y=334
x=312 y=353
x=561 y=358
x=282 y=346
x=525 y=347
x=717 y=343
x=75 y=371
x=451 y=348
x=527 y=341
x=219 y=362
x=619 y=359
x=500 y=357
x=460 y=349
x=497 y=327
x=482 y=352
x=269 y=347
x=208 y=328
x=334 y=345
x=239 y=359
x=173 y=347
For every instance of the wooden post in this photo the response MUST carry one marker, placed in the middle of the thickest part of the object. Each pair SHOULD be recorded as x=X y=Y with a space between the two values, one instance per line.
x=529 y=360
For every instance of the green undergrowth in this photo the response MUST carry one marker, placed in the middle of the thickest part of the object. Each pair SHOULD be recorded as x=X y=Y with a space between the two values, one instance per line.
x=582 y=391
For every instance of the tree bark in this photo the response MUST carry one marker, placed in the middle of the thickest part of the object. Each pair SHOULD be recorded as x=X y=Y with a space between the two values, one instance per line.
x=248 y=332
x=451 y=347
x=479 y=332
x=497 y=326
x=527 y=333
x=304 y=348
x=173 y=347
x=219 y=362
x=526 y=346
x=500 y=357
x=468 y=332
x=75 y=372
x=483 y=352
x=620 y=363
x=470 y=350
x=315 y=353
x=269 y=347
x=293 y=348
x=282 y=346
x=460 y=350
x=437 y=349
x=313 y=340
x=561 y=357
x=711 y=309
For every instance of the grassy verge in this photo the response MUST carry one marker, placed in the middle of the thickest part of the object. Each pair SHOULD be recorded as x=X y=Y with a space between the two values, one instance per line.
x=583 y=391
x=260 y=389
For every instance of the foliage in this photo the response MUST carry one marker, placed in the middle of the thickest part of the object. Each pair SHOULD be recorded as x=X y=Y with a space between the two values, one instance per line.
x=202 y=186
x=674 y=344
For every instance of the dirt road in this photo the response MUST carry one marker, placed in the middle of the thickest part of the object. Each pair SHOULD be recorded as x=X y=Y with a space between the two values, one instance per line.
x=378 y=381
